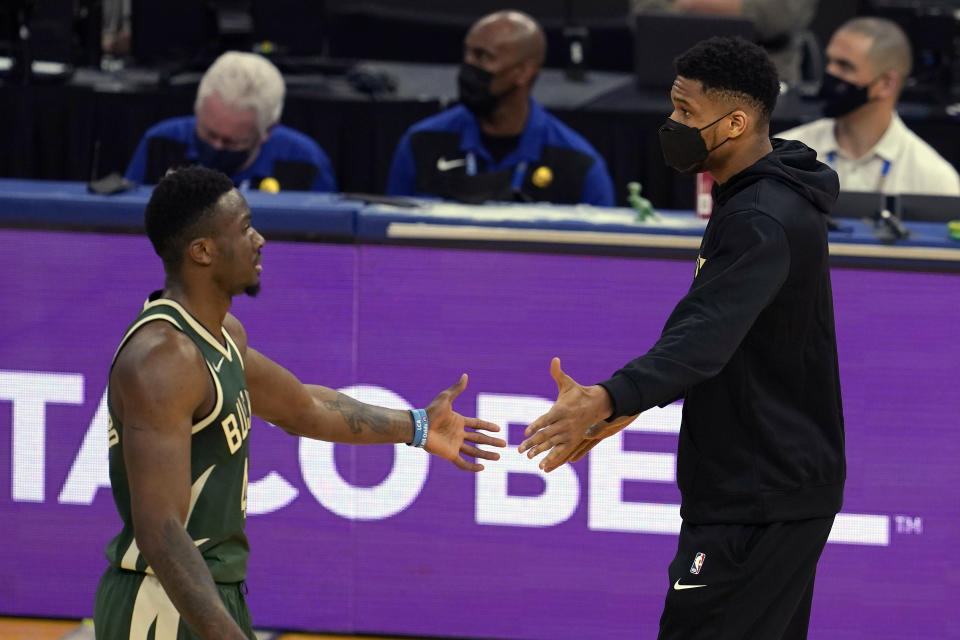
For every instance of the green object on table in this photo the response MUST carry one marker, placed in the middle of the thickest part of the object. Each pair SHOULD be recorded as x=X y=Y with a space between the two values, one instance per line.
x=953 y=227
x=643 y=207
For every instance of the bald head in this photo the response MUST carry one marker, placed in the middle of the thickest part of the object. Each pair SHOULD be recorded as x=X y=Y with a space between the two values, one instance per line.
x=889 y=48
x=514 y=35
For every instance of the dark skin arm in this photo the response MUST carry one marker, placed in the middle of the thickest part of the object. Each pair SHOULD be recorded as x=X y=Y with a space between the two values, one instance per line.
x=317 y=412
x=158 y=385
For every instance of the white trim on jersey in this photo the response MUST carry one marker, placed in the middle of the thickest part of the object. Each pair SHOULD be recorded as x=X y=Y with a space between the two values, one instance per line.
x=194 y=324
x=153 y=604
x=132 y=554
x=217 y=406
x=139 y=324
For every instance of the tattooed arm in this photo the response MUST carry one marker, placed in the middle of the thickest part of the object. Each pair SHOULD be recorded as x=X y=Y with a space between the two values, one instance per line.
x=277 y=396
x=312 y=411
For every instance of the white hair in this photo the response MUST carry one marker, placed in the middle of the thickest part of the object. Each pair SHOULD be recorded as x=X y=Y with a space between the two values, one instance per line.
x=245 y=81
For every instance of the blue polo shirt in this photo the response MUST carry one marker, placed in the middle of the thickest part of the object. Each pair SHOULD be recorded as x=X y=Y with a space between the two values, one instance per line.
x=443 y=156
x=292 y=158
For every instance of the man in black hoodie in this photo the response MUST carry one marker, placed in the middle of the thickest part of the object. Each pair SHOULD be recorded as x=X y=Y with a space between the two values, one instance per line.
x=752 y=350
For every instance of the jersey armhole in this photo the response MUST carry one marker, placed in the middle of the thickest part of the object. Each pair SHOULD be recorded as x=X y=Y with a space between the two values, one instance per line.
x=218 y=389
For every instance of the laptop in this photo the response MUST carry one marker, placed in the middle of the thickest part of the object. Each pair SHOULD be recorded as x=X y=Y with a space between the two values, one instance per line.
x=659 y=37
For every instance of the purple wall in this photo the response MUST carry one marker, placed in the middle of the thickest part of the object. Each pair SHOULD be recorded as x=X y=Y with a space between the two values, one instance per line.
x=386 y=540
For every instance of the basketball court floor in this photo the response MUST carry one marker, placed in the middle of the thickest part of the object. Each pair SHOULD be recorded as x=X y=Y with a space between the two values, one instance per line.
x=37 y=629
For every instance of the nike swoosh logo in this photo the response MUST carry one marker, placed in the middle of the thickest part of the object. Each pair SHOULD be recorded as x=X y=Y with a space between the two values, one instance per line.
x=445 y=165
x=218 y=365
x=700 y=262
x=680 y=587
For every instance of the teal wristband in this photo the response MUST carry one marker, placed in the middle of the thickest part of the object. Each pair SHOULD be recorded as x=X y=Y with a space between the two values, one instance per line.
x=421 y=428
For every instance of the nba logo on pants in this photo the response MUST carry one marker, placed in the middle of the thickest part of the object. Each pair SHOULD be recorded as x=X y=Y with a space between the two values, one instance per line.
x=698 y=563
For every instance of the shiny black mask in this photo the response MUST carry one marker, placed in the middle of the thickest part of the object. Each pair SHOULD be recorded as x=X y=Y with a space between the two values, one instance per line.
x=683 y=147
x=841 y=97
x=473 y=84
x=229 y=162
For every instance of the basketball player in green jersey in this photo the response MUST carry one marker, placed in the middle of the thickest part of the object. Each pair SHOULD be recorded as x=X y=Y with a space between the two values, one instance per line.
x=183 y=386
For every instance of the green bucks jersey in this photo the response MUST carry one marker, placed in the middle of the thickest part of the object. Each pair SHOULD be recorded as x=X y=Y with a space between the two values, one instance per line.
x=219 y=455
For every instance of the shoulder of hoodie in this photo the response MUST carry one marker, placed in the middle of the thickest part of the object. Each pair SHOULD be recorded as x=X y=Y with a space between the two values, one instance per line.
x=745 y=230
x=772 y=200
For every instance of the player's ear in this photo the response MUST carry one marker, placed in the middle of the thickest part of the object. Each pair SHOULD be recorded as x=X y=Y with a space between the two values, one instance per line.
x=739 y=121
x=201 y=250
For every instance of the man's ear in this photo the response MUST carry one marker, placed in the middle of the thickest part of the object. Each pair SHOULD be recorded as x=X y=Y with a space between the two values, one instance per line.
x=266 y=134
x=201 y=250
x=887 y=84
x=528 y=73
x=739 y=122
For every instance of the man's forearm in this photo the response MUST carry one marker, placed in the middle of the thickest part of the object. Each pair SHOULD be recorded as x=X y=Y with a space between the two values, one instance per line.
x=340 y=418
x=187 y=582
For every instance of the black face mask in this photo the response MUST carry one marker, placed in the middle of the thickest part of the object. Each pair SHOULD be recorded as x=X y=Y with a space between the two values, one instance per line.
x=841 y=97
x=683 y=147
x=229 y=162
x=474 y=86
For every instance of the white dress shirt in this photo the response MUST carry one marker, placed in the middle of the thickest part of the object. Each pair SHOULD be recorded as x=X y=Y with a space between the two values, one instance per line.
x=900 y=162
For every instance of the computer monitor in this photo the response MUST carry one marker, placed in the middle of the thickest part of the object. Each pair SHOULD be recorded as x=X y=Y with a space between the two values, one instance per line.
x=929 y=208
x=858 y=204
x=660 y=37
x=906 y=206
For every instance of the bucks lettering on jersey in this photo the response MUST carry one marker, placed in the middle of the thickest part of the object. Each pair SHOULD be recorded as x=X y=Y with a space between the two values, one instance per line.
x=219 y=455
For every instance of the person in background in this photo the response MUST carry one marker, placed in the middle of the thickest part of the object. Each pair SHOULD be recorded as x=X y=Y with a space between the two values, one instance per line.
x=499 y=143
x=862 y=137
x=235 y=129
x=779 y=24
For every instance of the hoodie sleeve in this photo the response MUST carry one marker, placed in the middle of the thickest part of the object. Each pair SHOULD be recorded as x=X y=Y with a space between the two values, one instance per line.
x=741 y=276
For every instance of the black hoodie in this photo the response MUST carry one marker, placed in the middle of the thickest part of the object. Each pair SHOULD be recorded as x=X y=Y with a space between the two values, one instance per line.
x=753 y=351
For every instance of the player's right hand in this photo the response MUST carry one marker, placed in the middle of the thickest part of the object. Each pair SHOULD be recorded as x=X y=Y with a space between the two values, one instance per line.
x=451 y=434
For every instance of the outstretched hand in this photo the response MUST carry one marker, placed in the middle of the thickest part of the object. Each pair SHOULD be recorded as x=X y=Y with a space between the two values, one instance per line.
x=562 y=429
x=450 y=435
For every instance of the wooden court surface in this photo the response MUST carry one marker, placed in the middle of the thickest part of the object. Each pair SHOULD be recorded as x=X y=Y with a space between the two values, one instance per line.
x=36 y=629
x=30 y=629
